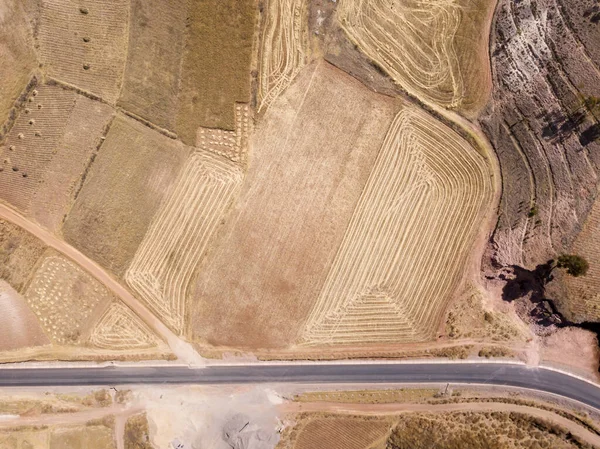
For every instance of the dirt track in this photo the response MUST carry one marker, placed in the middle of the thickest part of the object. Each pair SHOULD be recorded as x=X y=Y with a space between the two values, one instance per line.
x=179 y=348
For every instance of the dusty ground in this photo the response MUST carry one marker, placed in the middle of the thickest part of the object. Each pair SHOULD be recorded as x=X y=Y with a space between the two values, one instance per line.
x=573 y=349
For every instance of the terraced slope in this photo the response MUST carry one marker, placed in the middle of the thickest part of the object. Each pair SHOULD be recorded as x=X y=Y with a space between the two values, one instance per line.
x=544 y=126
x=435 y=49
x=408 y=240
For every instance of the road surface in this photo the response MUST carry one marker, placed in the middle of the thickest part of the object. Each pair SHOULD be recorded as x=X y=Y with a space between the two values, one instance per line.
x=503 y=374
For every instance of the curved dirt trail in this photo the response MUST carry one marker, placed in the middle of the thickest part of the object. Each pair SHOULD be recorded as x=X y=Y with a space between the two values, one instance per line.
x=181 y=349
x=390 y=409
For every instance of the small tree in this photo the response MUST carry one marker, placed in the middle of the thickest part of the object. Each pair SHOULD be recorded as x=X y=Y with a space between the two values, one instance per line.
x=575 y=265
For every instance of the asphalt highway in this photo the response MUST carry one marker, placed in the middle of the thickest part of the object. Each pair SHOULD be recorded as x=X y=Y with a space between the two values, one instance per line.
x=541 y=379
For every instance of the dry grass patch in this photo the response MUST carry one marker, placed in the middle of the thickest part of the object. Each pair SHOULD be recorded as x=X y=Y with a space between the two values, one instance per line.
x=409 y=239
x=16 y=53
x=261 y=277
x=434 y=49
x=19 y=327
x=284 y=47
x=178 y=237
x=88 y=437
x=24 y=439
x=156 y=39
x=216 y=64
x=65 y=299
x=85 y=46
x=137 y=434
x=123 y=190
x=19 y=253
x=402 y=395
x=47 y=151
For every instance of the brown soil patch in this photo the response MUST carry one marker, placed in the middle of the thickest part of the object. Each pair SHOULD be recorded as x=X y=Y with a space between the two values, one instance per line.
x=263 y=275
x=151 y=80
x=19 y=253
x=575 y=349
x=341 y=433
x=216 y=64
x=16 y=53
x=19 y=327
x=123 y=190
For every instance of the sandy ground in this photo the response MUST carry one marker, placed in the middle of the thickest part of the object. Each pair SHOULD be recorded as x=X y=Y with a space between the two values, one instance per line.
x=575 y=350
x=183 y=351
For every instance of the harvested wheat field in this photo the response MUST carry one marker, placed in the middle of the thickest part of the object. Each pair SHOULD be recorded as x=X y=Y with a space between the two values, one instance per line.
x=47 y=151
x=583 y=297
x=284 y=47
x=342 y=433
x=19 y=327
x=156 y=40
x=178 y=237
x=435 y=49
x=85 y=45
x=123 y=189
x=16 y=53
x=409 y=238
x=215 y=71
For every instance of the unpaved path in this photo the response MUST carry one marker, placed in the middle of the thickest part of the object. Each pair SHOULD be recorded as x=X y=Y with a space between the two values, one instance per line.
x=389 y=409
x=181 y=349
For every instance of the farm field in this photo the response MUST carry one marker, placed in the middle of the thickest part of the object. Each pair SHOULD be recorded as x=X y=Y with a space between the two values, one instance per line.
x=215 y=71
x=85 y=46
x=284 y=48
x=136 y=165
x=270 y=245
x=46 y=152
x=426 y=46
x=16 y=53
x=152 y=73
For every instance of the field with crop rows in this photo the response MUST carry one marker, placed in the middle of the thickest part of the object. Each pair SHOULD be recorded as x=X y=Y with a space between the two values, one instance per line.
x=179 y=235
x=85 y=45
x=230 y=144
x=342 y=433
x=409 y=238
x=120 y=328
x=284 y=47
x=436 y=49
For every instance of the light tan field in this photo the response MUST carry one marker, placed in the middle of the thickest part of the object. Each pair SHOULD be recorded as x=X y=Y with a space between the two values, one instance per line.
x=342 y=433
x=85 y=44
x=19 y=327
x=584 y=291
x=435 y=49
x=409 y=239
x=284 y=47
x=263 y=274
x=47 y=151
x=178 y=237
x=156 y=39
x=123 y=189
x=16 y=54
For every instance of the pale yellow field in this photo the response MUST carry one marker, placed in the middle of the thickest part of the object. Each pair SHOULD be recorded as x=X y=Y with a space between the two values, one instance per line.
x=284 y=47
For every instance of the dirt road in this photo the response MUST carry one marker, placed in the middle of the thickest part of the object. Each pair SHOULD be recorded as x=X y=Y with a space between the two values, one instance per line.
x=180 y=348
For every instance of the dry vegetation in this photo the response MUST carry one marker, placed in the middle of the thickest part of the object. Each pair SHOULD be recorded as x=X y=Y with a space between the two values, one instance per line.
x=436 y=50
x=136 y=165
x=284 y=47
x=16 y=54
x=215 y=70
x=19 y=253
x=90 y=436
x=403 y=395
x=137 y=434
x=65 y=299
x=379 y=287
x=298 y=195
x=85 y=46
x=151 y=80
x=165 y=261
x=341 y=433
